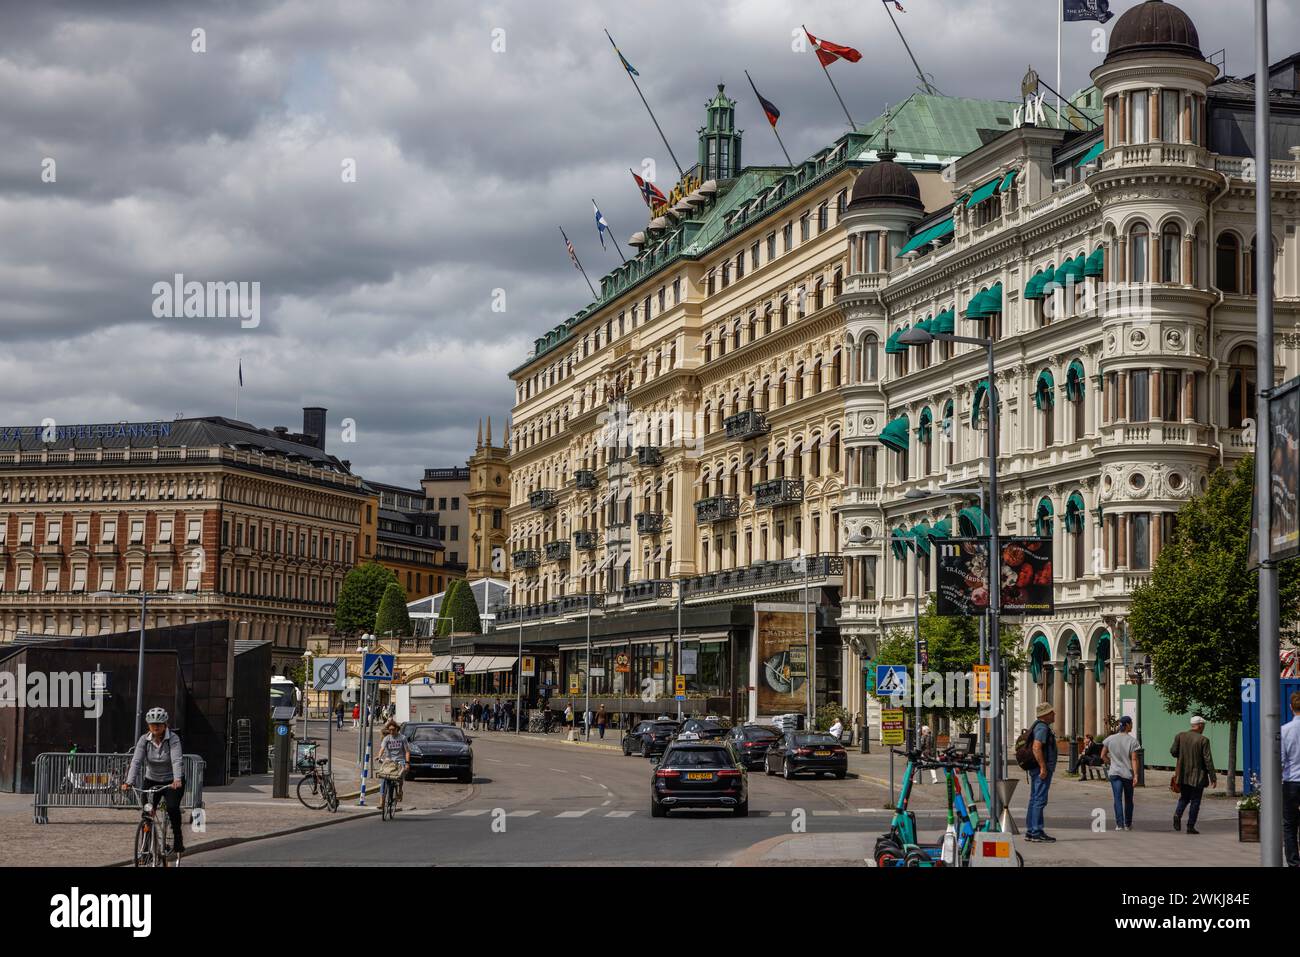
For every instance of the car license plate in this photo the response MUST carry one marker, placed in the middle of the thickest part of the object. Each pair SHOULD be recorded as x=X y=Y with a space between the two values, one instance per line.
x=822 y=754
x=699 y=776
x=440 y=767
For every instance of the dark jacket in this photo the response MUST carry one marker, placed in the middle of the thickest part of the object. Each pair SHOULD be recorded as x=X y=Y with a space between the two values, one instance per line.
x=1195 y=765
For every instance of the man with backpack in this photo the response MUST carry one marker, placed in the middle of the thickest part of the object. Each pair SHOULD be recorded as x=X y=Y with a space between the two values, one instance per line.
x=1036 y=752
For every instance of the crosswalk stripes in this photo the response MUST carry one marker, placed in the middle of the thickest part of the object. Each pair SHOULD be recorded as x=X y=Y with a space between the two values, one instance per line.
x=586 y=810
x=619 y=813
x=604 y=812
x=472 y=812
x=521 y=813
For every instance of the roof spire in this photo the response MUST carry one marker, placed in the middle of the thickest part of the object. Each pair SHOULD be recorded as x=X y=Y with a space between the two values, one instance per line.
x=887 y=154
x=479 y=444
x=489 y=432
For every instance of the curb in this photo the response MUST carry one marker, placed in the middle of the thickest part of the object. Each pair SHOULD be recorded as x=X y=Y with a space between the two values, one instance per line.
x=580 y=744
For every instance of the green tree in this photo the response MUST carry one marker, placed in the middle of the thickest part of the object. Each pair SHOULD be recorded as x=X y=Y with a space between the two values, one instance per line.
x=1198 y=616
x=461 y=609
x=392 y=615
x=443 y=627
x=954 y=648
x=359 y=598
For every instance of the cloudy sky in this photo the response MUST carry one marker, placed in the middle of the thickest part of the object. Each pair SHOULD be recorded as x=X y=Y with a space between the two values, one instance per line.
x=376 y=295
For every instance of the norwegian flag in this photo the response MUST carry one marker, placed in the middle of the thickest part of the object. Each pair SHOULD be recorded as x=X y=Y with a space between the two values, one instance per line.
x=828 y=52
x=897 y=6
x=649 y=191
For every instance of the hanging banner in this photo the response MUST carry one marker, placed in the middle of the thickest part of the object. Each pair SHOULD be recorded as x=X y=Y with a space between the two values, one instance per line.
x=1025 y=573
x=782 y=661
x=1284 y=470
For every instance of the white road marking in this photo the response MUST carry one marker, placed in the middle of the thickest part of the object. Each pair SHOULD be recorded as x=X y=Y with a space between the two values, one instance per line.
x=586 y=777
x=607 y=803
x=619 y=813
x=560 y=770
x=521 y=813
x=586 y=810
x=826 y=813
x=474 y=812
x=776 y=813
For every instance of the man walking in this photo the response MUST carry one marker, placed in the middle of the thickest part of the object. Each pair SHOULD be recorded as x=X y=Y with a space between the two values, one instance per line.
x=1291 y=784
x=1194 y=768
x=1120 y=749
x=601 y=720
x=1040 y=781
x=338 y=714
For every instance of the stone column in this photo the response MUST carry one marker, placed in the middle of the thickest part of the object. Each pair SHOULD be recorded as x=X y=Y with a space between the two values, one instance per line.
x=1157 y=538
x=1120 y=273
x=1121 y=543
x=1188 y=252
x=1089 y=698
x=1122 y=133
x=1121 y=400
x=1187 y=132
x=1153 y=115
x=1059 y=698
x=1189 y=396
x=1154 y=380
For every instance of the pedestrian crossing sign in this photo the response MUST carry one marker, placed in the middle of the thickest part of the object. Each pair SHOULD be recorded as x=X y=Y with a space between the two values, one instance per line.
x=377 y=667
x=891 y=681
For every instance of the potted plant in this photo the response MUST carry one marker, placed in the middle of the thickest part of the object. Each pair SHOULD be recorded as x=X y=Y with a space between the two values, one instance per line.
x=1248 y=814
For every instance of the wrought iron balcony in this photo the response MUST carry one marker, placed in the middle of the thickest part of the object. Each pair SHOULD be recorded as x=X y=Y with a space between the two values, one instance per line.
x=777 y=492
x=774 y=575
x=584 y=539
x=557 y=551
x=577 y=604
x=719 y=508
x=584 y=479
x=650 y=523
x=649 y=457
x=542 y=498
x=526 y=558
x=650 y=590
x=746 y=425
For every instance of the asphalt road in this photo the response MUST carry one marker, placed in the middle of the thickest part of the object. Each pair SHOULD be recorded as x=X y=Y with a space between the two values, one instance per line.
x=541 y=801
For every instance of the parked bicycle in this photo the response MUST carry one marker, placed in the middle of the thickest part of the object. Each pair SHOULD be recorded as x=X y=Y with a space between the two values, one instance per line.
x=316 y=789
x=152 y=844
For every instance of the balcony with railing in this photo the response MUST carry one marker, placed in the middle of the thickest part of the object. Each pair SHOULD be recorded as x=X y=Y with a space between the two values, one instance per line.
x=746 y=425
x=584 y=539
x=557 y=551
x=647 y=456
x=650 y=590
x=543 y=498
x=814 y=570
x=578 y=604
x=718 y=508
x=584 y=479
x=649 y=523
x=525 y=558
x=777 y=492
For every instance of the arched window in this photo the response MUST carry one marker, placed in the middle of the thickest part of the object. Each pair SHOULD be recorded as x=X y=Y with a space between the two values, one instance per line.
x=1241 y=386
x=708 y=347
x=833 y=451
x=1227 y=263
x=870 y=358
x=1075 y=389
x=1045 y=402
x=1075 y=517
x=798 y=382
x=1139 y=253
x=796 y=459
x=766 y=393
x=946 y=446
x=749 y=472
x=819 y=297
x=837 y=368
x=1171 y=253
x=815 y=457
x=783 y=388
x=1043 y=518
x=924 y=435
x=735 y=335
x=767 y=318
x=779 y=462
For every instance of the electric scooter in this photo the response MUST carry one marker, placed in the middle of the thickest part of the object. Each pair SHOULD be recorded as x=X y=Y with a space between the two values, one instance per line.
x=901 y=848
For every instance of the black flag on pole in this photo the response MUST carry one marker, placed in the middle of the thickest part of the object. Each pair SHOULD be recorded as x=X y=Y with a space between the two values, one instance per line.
x=1098 y=10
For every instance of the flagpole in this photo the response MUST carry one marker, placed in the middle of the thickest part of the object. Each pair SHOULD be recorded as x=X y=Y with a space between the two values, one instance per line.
x=578 y=263
x=617 y=247
x=770 y=123
x=238 y=385
x=1060 y=19
x=680 y=171
x=852 y=125
x=919 y=75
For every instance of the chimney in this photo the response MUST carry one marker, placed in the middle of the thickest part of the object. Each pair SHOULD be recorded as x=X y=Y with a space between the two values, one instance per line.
x=313 y=425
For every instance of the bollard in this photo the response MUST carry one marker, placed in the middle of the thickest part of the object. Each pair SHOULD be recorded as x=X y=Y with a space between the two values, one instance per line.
x=864 y=736
x=1142 y=768
x=1074 y=755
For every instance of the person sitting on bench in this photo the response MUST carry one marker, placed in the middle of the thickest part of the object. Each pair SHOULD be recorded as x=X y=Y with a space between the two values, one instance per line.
x=1090 y=759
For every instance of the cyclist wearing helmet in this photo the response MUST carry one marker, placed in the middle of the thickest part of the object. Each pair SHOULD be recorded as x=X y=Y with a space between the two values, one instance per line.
x=158 y=754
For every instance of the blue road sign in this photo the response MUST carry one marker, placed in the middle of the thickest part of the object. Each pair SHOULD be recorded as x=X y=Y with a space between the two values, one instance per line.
x=281 y=729
x=377 y=667
x=891 y=681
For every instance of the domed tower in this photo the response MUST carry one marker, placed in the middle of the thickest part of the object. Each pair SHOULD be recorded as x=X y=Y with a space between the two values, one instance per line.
x=719 y=155
x=1155 y=182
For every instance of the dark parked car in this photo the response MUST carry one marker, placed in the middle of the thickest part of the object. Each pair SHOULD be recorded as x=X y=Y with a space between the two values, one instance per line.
x=751 y=742
x=648 y=738
x=439 y=750
x=708 y=729
x=698 y=773
x=812 y=751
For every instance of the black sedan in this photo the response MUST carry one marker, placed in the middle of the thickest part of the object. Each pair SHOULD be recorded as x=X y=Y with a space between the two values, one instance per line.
x=700 y=774
x=811 y=751
x=648 y=738
x=708 y=729
x=751 y=742
x=439 y=750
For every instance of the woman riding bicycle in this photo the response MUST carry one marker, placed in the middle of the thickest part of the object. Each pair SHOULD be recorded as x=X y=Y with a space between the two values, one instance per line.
x=393 y=750
x=158 y=754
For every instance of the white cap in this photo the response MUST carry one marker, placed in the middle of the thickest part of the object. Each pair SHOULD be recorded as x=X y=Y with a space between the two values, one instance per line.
x=1197 y=719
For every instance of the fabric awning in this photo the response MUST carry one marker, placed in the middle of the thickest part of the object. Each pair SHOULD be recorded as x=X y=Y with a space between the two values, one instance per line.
x=972 y=522
x=993 y=299
x=1094 y=266
x=1097 y=149
x=940 y=529
x=945 y=322
x=1007 y=180
x=1040 y=652
x=983 y=193
x=1074 y=512
x=920 y=533
x=1034 y=288
x=439 y=663
x=975 y=308
x=981 y=388
x=897 y=542
x=1044 y=397
x=892 y=346
x=1076 y=383
x=1071 y=269
x=923 y=428
x=927 y=236
x=1043 y=519
x=894 y=435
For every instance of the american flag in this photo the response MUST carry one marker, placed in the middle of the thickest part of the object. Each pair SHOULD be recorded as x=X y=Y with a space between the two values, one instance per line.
x=897 y=6
x=573 y=255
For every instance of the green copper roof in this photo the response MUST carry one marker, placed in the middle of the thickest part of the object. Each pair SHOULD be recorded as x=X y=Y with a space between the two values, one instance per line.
x=941 y=127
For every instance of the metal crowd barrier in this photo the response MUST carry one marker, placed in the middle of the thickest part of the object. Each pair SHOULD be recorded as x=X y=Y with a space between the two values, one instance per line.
x=95 y=780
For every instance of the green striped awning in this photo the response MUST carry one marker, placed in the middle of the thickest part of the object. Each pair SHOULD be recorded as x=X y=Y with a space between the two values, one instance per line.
x=980 y=388
x=1094 y=266
x=927 y=236
x=945 y=322
x=972 y=522
x=1044 y=397
x=1097 y=149
x=894 y=435
x=984 y=192
x=1007 y=181
x=927 y=324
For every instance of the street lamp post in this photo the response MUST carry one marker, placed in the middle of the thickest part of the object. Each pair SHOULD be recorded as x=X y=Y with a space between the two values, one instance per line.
x=921 y=337
x=586 y=707
x=144 y=598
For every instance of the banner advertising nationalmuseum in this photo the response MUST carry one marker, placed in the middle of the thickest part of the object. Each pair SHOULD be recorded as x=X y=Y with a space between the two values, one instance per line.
x=1026 y=575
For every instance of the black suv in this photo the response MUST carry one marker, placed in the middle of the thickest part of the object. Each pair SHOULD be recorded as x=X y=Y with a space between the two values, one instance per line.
x=751 y=742
x=698 y=773
x=438 y=750
x=710 y=729
x=648 y=738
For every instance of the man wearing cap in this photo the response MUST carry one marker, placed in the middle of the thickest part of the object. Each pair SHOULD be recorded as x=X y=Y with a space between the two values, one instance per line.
x=1120 y=749
x=1291 y=783
x=1194 y=769
x=1040 y=781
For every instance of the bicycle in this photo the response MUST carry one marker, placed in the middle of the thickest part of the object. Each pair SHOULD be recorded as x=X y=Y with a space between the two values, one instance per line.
x=151 y=844
x=389 y=791
x=316 y=789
